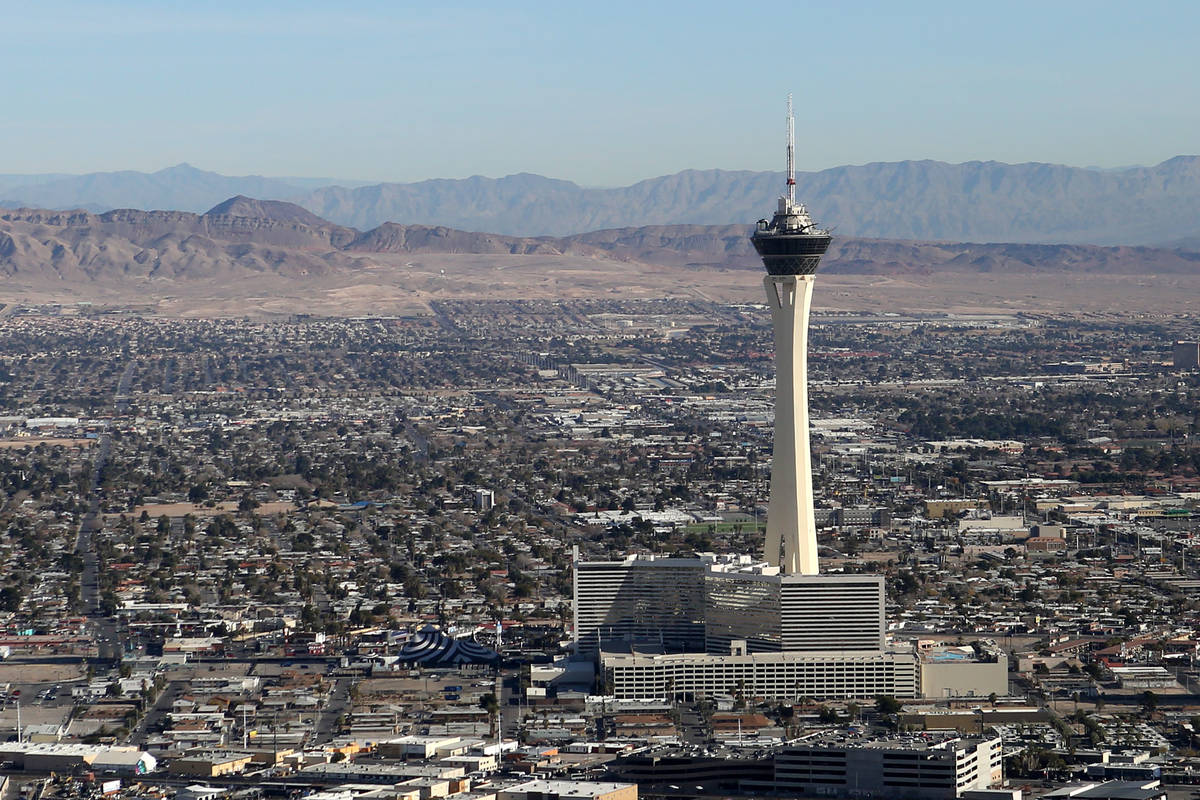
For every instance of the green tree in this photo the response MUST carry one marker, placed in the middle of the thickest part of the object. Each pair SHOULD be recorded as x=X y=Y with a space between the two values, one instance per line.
x=491 y=705
x=887 y=705
x=10 y=599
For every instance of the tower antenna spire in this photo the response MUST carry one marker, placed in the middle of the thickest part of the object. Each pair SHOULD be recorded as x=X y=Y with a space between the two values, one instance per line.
x=791 y=153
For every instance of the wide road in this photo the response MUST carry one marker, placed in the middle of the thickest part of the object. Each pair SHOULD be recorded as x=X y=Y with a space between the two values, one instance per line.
x=104 y=627
x=337 y=705
x=157 y=712
x=508 y=693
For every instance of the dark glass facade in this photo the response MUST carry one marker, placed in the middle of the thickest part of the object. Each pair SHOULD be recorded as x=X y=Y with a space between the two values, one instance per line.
x=791 y=254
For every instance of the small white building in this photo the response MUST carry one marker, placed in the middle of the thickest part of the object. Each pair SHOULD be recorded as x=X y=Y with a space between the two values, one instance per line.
x=1144 y=677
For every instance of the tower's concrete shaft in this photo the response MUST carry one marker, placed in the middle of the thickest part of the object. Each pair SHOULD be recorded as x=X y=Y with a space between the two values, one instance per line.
x=791 y=541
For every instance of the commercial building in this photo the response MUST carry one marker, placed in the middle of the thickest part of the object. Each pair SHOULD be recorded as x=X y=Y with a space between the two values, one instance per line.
x=210 y=763
x=421 y=747
x=682 y=766
x=784 y=613
x=56 y=757
x=963 y=677
x=901 y=767
x=784 y=676
x=852 y=517
x=1186 y=355
x=656 y=600
x=940 y=509
x=124 y=761
x=703 y=605
x=199 y=791
x=562 y=790
x=1148 y=677
x=378 y=773
x=1110 y=790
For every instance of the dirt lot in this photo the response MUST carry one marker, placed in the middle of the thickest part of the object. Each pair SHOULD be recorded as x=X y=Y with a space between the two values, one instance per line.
x=229 y=507
x=32 y=674
x=33 y=441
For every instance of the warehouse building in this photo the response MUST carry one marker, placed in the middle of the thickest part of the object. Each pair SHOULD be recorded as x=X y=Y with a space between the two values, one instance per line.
x=57 y=757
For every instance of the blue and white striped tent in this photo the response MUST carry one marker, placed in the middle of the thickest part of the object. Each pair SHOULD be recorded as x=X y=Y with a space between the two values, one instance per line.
x=430 y=647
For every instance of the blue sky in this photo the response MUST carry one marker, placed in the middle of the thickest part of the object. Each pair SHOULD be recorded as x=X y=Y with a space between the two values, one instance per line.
x=600 y=93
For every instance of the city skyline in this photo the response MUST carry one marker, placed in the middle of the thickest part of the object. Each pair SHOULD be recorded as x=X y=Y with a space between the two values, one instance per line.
x=518 y=489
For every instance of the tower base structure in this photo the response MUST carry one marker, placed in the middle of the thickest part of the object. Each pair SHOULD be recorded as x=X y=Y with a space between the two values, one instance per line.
x=791 y=541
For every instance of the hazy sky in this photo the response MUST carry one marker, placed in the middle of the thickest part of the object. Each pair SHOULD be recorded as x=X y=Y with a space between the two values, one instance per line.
x=602 y=93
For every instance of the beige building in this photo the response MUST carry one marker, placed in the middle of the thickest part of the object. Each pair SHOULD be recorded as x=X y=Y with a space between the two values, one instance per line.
x=964 y=678
x=422 y=747
x=474 y=763
x=209 y=764
x=937 y=509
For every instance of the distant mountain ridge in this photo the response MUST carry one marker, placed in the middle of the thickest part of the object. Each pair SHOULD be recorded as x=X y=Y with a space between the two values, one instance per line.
x=242 y=237
x=918 y=200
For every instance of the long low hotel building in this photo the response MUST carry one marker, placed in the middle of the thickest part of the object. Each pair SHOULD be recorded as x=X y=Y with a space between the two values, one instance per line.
x=787 y=676
x=781 y=676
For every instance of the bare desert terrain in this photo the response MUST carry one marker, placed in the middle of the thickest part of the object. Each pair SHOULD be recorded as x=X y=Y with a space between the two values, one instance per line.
x=404 y=284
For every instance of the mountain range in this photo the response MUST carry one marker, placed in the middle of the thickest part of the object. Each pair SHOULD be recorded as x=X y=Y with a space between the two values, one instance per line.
x=242 y=237
x=914 y=200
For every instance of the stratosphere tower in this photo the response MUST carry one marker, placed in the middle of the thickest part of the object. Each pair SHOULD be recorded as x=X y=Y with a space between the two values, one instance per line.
x=791 y=246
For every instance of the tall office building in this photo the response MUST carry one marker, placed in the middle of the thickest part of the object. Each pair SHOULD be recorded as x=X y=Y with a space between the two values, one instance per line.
x=657 y=602
x=791 y=247
x=766 y=613
x=1186 y=355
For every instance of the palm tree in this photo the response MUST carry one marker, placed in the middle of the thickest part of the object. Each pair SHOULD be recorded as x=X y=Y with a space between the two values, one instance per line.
x=491 y=705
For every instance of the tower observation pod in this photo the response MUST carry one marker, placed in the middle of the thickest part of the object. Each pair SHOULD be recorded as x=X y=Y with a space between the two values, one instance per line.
x=791 y=247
